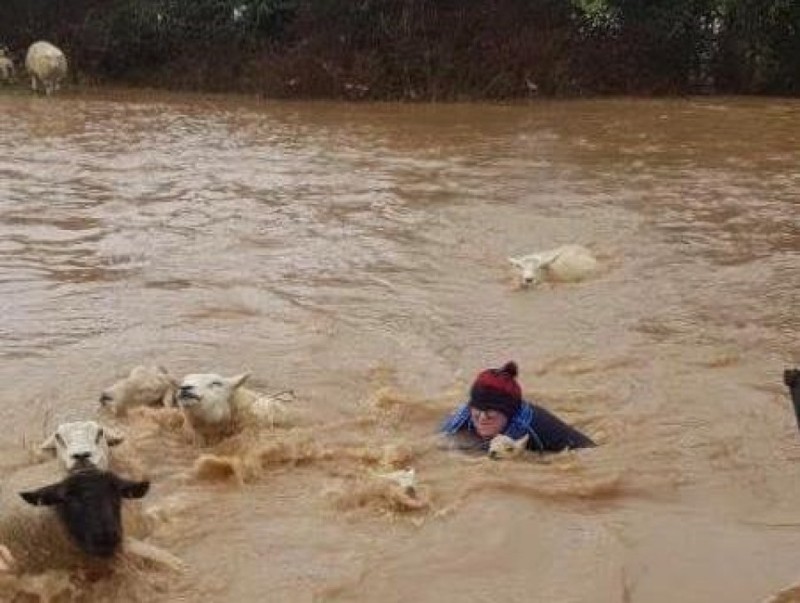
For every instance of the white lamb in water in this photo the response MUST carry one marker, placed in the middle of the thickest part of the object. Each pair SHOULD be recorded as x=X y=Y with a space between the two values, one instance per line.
x=216 y=406
x=568 y=263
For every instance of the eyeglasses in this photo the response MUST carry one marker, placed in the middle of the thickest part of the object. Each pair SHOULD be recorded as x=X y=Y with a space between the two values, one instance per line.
x=490 y=414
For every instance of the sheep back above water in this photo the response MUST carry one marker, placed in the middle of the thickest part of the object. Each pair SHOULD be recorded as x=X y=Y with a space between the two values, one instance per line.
x=144 y=386
x=46 y=65
x=568 y=263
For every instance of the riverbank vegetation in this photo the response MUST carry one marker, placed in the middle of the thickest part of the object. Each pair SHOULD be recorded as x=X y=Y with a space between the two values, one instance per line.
x=422 y=49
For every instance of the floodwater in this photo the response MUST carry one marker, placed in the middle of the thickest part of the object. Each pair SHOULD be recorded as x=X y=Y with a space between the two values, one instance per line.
x=357 y=255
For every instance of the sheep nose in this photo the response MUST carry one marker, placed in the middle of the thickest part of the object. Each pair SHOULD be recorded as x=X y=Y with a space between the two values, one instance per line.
x=493 y=455
x=185 y=389
x=81 y=458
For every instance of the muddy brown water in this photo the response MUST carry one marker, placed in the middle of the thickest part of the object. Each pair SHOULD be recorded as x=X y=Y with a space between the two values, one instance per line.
x=357 y=254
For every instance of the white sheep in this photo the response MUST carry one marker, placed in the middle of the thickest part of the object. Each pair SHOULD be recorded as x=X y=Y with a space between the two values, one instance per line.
x=505 y=447
x=568 y=263
x=144 y=386
x=46 y=65
x=217 y=406
x=6 y=66
x=82 y=444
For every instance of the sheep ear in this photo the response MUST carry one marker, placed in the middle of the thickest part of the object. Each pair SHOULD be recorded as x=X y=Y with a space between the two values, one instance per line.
x=549 y=259
x=113 y=437
x=49 y=444
x=239 y=380
x=44 y=497
x=523 y=441
x=129 y=489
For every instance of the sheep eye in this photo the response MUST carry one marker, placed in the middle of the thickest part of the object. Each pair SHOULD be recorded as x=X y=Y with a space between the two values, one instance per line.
x=60 y=440
x=216 y=384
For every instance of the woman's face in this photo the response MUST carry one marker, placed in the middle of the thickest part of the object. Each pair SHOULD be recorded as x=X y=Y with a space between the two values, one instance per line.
x=488 y=423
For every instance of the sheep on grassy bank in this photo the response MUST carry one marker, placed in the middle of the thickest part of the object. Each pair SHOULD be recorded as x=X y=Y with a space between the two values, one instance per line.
x=568 y=263
x=46 y=65
x=6 y=66
x=144 y=386
x=216 y=406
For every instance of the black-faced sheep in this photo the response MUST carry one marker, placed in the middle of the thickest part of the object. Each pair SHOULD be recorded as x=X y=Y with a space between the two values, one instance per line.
x=85 y=520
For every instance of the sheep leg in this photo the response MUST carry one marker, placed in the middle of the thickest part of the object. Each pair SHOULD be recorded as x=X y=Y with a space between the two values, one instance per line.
x=6 y=560
x=153 y=554
x=791 y=377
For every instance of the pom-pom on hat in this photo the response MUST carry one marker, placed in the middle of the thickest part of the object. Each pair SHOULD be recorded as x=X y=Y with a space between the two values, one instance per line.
x=497 y=389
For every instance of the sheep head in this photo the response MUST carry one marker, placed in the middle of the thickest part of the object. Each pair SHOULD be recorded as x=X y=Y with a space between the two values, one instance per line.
x=504 y=447
x=533 y=267
x=82 y=444
x=206 y=391
x=88 y=504
x=144 y=386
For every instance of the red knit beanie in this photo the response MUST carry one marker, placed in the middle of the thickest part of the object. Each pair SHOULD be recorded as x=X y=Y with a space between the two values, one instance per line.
x=497 y=389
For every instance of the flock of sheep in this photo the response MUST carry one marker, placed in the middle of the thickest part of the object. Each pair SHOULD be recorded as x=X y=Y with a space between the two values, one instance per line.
x=45 y=63
x=95 y=514
x=81 y=478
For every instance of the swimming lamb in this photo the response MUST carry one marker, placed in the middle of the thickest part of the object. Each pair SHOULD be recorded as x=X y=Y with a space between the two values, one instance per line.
x=504 y=447
x=568 y=263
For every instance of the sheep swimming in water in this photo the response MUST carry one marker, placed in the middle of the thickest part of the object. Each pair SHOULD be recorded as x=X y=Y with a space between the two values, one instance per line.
x=144 y=386
x=568 y=263
x=82 y=445
x=85 y=520
x=217 y=406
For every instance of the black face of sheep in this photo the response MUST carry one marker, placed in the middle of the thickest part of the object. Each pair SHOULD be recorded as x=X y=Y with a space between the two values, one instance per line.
x=89 y=504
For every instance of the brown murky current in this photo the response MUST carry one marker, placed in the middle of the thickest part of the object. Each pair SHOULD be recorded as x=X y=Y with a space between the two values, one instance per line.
x=357 y=254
